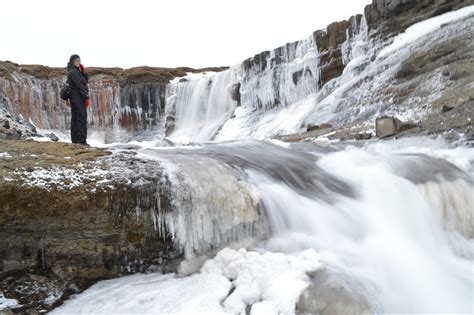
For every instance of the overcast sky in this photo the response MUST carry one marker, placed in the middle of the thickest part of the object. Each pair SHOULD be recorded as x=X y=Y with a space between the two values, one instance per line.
x=195 y=33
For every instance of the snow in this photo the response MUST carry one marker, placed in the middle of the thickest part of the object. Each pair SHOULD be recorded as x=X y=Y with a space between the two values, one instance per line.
x=7 y=303
x=193 y=76
x=56 y=176
x=279 y=121
x=5 y=155
x=151 y=294
x=268 y=281
x=420 y=29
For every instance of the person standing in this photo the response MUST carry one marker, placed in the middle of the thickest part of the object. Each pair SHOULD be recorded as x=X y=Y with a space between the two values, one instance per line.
x=79 y=99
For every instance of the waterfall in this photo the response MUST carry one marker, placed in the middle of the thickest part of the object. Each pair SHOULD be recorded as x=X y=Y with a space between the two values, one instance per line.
x=201 y=104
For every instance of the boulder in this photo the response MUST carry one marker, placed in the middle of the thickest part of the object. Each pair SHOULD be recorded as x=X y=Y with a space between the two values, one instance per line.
x=333 y=294
x=389 y=126
x=310 y=127
x=446 y=108
x=234 y=91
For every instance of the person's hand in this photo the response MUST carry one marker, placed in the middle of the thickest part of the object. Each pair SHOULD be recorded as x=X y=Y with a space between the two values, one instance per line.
x=87 y=102
x=83 y=69
x=68 y=102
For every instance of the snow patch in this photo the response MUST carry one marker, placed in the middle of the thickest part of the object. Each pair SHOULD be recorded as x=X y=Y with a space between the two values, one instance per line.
x=5 y=155
x=418 y=30
x=270 y=282
x=7 y=303
x=61 y=177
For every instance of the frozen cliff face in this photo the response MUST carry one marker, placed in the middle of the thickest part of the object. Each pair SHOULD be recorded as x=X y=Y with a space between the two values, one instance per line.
x=36 y=99
x=130 y=100
x=410 y=76
x=280 y=77
x=131 y=106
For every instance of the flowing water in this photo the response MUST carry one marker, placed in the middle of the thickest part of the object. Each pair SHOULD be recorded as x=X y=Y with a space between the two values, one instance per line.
x=392 y=223
x=274 y=228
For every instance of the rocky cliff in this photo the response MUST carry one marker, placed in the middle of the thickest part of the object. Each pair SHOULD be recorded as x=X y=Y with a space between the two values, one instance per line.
x=384 y=18
x=132 y=98
x=71 y=215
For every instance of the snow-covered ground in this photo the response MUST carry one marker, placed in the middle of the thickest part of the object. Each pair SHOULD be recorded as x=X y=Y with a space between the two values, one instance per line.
x=272 y=282
x=7 y=303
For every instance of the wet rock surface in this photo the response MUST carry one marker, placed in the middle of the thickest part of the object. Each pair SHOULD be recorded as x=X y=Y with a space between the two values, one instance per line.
x=333 y=293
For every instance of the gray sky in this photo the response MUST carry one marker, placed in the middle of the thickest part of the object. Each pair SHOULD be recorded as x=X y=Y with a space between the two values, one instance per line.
x=195 y=33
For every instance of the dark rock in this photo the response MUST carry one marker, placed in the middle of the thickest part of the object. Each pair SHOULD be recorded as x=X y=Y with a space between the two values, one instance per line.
x=33 y=292
x=13 y=135
x=363 y=136
x=389 y=126
x=325 y=126
x=169 y=125
x=393 y=17
x=333 y=293
x=296 y=76
x=386 y=126
x=52 y=136
x=310 y=127
x=234 y=91
x=407 y=125
x=145 y=98
x=446 y=108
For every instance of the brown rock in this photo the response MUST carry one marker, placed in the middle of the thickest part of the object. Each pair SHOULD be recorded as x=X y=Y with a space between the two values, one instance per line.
x=325 y=126
x=389 y=126
x=78 y=235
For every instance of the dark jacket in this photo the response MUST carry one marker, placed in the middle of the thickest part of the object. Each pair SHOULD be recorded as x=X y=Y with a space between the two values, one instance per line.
x=79 y=92
x=78 y=82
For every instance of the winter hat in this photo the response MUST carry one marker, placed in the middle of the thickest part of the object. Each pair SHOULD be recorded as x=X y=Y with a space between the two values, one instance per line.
x=74 y=57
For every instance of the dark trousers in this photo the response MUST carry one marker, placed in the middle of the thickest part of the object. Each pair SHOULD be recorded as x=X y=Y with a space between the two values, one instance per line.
x=78 y=121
